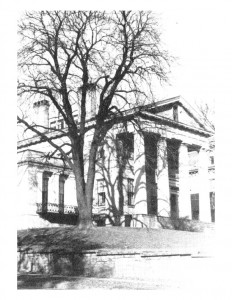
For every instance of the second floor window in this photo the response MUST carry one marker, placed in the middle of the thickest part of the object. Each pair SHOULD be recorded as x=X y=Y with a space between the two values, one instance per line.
x=101 y=190
x=101 y=153
x=130 y=191
x=60 y=124
x=125 y=145
x=53 y=125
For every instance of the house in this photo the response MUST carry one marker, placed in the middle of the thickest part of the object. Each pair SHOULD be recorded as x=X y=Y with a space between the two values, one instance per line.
x=157 y=163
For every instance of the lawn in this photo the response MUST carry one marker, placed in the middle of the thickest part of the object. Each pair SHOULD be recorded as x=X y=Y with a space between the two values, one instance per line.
x=71 y=239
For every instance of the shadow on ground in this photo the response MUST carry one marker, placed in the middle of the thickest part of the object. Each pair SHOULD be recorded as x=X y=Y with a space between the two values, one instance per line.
x=62 y=239
x=77 y=283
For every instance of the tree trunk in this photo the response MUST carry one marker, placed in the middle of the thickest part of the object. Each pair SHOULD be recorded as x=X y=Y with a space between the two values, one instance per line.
x=84 y=209
x=85 y=213
x=85 y=219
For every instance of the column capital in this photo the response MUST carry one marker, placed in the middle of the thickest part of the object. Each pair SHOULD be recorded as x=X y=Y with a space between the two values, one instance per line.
x=204 y=148
x=162 y=138
x=63 y=176
x=47 y=174
x=182 y=143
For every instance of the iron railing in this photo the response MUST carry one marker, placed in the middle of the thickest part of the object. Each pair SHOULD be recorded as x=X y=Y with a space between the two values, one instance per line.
x=56 y=208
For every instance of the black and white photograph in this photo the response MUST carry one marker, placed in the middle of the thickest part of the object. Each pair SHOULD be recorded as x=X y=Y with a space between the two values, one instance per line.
x=116 y=160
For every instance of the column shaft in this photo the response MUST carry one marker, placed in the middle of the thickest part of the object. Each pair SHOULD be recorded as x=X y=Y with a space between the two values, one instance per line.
x=163 y=193
x=204 y=197
x=184 y=184
x=140 y=192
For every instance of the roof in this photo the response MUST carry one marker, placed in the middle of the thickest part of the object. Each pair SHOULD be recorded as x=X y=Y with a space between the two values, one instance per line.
x=148 y=109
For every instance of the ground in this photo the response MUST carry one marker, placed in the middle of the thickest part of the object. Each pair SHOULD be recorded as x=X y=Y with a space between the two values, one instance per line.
x=70 y=238
x=119 y=239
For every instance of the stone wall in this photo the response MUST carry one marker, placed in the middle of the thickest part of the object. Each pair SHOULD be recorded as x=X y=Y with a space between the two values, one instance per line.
x=110 y=264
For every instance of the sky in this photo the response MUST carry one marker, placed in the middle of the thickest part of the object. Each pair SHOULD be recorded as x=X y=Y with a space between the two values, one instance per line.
x=194 y=35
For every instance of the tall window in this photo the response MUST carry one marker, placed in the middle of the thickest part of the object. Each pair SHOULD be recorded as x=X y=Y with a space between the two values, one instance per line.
x=195 y=206
x=174 y=206
x=46 y=176
x=53 y=125
x=212 y=205
x=61 y=193
x=125 y=145
x=101 y=153
x=212 y=160
x=130 y=191
x=101 y=190
x=60 y=124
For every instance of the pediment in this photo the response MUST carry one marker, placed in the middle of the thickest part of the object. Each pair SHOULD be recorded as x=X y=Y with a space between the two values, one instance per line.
x=177 y=110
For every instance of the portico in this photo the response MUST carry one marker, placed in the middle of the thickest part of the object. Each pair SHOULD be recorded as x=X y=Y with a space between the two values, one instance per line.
x=144 y=172
x=162 y=187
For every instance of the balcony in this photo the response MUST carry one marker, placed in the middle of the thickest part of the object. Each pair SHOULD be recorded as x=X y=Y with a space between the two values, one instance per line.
x=57 y=209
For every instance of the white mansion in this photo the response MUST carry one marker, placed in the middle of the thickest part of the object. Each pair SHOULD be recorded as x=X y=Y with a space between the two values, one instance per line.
x=163 y=169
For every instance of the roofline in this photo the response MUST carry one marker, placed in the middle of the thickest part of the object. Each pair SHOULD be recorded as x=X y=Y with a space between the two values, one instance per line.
x=177 y=123
x=129 y=112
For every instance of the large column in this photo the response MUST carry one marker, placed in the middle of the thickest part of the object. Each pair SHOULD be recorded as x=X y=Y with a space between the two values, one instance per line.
x=163 y=193
x=204 y=197
x=184 y=184
x=140 y=192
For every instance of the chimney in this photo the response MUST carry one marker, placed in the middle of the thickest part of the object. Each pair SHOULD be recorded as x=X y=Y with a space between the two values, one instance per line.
x=92 y=98
x=41 y=117
x=91 y=106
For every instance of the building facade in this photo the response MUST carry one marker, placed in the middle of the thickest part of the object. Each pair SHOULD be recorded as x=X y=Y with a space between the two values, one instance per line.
x=159 y=165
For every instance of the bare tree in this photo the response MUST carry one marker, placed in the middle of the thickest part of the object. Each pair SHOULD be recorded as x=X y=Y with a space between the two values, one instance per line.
x=66 y=55
x=207 y=114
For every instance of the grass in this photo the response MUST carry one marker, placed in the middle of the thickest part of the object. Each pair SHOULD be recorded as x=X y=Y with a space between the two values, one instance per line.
x=71 y=239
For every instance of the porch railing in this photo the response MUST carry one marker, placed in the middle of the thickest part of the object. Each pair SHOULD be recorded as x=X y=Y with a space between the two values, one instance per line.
x=56 y=208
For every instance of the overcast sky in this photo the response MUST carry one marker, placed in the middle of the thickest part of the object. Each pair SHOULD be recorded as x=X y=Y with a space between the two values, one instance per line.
x=197 y=35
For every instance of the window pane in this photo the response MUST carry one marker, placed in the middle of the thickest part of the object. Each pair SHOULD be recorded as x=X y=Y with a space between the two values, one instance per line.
x=130 y=191
x=101 y=188
x=44 y=193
